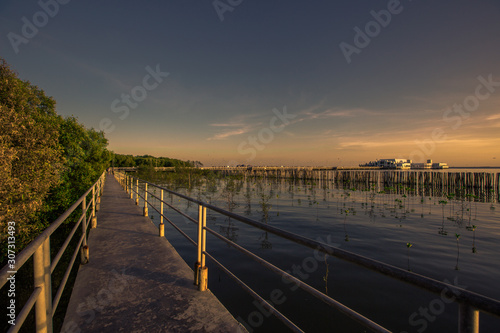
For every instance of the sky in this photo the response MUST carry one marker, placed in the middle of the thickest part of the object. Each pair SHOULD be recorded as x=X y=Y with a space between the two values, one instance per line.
x=296 y=82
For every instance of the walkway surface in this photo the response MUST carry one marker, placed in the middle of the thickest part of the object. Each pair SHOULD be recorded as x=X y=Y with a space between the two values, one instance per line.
x=135 y=281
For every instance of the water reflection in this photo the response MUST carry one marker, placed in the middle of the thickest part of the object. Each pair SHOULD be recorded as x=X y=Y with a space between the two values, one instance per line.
x=230 y=231
x=271 y=201
x=265 y=244
x=265 y=207
x=369 y=220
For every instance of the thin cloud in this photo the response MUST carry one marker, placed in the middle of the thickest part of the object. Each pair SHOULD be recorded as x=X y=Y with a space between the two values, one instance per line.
x=226 y=125
x=373 y=144
x=236 y=126
x=493 y=117
x=227 y=134
x=330 y=114
x=337 y=113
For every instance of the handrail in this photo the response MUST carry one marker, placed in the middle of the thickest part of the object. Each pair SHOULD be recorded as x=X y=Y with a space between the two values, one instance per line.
x=39 y=248
x=200 y=271
x=261 y=300
x=304 y=286
x=470 y=303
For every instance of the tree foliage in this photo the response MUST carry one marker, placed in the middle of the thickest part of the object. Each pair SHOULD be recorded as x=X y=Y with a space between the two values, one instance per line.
x=31 y=157
x=85 y=158
x=46 y=162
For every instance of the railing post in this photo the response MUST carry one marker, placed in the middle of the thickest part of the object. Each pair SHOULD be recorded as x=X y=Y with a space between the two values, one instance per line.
x=197 y=264
x=130 y=187
x=137 y=191
x=84 y=251
x=101 y=179
x=102 y=184
x=145 y=210
x=468 y=319
x=99 y=192
x=42 y=279
x=202 y=246
x=127 y=177
x=162 y=226
x=94 y=218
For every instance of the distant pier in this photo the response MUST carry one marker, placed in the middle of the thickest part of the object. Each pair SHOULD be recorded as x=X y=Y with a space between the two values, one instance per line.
x=375 y=175
x=447 y=181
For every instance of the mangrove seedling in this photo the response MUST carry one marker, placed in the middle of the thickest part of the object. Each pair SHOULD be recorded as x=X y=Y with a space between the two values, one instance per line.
x=408 y=245
x=442 y=231
x=404 y=203
x=492 y=195
x=277 y=205
x=265 y=206
x=325 y=278
x=345 y=229
x=473 y=238
x=458 y=250
x=450 y=197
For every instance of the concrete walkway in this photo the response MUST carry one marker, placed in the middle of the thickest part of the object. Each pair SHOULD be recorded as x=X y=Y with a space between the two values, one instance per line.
x=136 y=281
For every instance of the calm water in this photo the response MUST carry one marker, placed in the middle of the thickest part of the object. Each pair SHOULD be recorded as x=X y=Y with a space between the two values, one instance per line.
x=457 y=241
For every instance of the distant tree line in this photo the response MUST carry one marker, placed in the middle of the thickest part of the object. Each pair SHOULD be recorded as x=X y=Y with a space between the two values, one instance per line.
x=120 y=160
x=46 y=161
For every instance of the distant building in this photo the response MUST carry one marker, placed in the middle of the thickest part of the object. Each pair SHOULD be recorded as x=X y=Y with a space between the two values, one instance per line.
x=426 y=165
x=389 y=163
x=399 y=163
x=440 y=165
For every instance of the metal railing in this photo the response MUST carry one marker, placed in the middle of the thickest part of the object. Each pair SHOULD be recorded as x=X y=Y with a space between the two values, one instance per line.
x=43 y=266
x=470 y=303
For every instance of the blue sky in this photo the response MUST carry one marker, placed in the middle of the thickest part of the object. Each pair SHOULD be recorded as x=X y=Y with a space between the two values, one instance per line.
x=270 y=82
